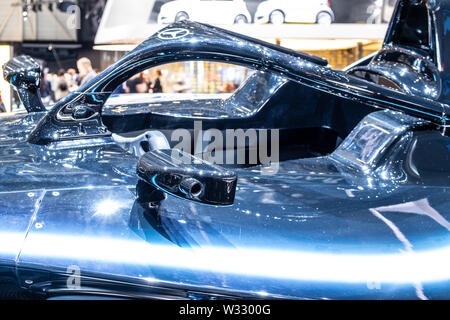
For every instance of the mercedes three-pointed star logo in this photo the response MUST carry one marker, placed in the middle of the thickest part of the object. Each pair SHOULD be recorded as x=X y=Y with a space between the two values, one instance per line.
x=173 y=33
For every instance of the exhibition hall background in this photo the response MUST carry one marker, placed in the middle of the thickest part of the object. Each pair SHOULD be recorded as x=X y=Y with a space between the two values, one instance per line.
x=57 y=33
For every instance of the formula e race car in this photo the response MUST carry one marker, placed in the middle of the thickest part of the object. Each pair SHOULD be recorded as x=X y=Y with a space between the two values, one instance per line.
x=305 y=182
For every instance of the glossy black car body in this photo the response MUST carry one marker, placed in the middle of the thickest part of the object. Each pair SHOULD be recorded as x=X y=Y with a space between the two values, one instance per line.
x=359 y=206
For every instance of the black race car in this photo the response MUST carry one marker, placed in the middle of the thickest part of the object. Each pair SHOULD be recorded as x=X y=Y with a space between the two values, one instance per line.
x=306 y=182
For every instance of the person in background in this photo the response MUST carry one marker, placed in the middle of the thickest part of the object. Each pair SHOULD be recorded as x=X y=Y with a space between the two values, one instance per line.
x=73 y=79
x=87 y=73
x=146 y=85
x=52 y=79
x=227 y=88
x=157 y=87
x=130 y=85
x=46 y=90
x=62 y=87
x=137 y=84
x=2 y=106
x=120 y=89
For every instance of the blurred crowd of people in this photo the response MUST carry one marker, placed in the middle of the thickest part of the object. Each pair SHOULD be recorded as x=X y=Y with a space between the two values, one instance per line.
x=55 y=87
x=142 y=83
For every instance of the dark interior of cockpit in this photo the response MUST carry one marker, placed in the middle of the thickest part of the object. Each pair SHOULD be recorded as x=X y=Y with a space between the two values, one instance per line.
x=311 y=123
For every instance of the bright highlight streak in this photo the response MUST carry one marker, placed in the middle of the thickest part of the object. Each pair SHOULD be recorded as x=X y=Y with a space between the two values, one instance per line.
x=407 y=267
x=10 y=243
x=107 y=207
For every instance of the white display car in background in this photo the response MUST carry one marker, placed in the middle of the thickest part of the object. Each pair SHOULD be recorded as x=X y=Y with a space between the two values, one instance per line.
x=207 y=11
x=294 y=11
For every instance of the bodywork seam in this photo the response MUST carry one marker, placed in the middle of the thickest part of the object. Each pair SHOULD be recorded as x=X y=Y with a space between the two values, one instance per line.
x=37 y=206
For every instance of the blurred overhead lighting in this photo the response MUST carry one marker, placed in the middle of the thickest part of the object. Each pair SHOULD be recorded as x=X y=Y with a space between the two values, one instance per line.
x=25 y=9
x=36 y=5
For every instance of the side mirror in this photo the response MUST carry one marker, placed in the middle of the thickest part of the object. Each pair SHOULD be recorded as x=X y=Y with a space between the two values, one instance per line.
x=185 y=176
x=24 y=74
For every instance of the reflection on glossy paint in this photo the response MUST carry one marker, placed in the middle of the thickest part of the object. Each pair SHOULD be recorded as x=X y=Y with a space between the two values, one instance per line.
x=312 y=221
x=421 y=207
x=10 y=243
x=406 y=267
x=107 y=207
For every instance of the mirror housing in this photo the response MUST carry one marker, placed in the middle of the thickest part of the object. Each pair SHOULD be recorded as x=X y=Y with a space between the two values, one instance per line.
x=188 y=177
x=24 y=75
